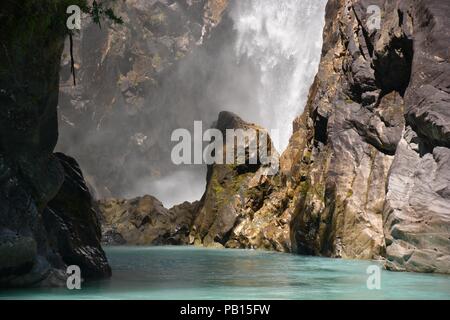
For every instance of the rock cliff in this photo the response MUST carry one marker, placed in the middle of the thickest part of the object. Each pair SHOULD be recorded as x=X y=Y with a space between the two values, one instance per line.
x=130 y=77
x=365 y=175
x=242 y=206
x=375 y=132
x=46 y=216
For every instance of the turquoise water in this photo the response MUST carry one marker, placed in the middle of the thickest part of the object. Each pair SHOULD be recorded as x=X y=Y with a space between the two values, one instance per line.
x=196 y=273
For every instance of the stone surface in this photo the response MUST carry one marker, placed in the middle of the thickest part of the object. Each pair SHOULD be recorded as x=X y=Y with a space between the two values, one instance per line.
x=31 y=176
x=376 y=181
x=366 y=171
x=417 y=210
x=73 y=226
x=144 y=221
x=130 y=77
x=241 y=207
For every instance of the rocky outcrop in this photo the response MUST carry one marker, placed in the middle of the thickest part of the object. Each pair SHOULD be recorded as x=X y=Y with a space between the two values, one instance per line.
x=417 y=209
x=72 y=224
x=242 y=206
x=374 y=137
x=38 y=240
x=145 y=221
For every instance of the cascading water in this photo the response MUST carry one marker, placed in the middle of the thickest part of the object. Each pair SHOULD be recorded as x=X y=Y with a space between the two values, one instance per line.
x=260 y=64
x=284 y=40
x=262 y=72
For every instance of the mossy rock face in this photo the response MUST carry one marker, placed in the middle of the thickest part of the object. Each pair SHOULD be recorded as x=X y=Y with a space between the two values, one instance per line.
x=237 y=209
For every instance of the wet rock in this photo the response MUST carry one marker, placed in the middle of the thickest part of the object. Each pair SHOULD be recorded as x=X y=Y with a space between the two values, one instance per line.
x=73 y=226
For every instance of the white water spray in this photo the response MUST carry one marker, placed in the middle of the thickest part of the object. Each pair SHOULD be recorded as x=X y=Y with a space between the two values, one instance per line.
x=284 y=39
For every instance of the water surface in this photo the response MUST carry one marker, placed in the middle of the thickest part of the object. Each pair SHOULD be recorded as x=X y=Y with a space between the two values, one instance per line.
x=197 y=273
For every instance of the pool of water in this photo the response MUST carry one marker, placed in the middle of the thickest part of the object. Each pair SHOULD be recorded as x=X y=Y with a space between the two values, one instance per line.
x=197 y=273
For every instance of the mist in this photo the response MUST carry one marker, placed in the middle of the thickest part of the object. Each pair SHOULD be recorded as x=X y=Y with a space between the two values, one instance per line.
x=173 y=189
x=259 y=63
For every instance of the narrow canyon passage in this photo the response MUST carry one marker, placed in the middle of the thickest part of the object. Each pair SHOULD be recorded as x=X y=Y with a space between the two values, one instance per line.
x=209 y=148
x=346 y=128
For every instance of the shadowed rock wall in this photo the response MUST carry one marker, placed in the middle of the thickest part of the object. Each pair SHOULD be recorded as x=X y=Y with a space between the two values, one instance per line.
x=38 y=239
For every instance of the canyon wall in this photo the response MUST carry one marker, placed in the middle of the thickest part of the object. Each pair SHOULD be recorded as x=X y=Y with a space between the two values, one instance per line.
x=376 y=137
x=136 y=83
x=175 y=62
x=47 y=220
x=366 y=173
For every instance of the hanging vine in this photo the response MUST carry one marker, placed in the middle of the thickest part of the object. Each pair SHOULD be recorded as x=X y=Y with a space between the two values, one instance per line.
x=72 y=61
x=97 y=12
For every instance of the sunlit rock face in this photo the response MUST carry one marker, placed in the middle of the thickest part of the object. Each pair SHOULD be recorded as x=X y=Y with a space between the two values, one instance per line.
x=245 y=204
x=242 y=206
x=375 y=138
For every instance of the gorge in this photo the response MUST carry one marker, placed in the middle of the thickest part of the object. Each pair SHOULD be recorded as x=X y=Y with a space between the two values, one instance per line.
x=363 y=150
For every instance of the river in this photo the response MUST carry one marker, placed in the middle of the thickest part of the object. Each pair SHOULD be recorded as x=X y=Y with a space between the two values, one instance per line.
x=198 y=273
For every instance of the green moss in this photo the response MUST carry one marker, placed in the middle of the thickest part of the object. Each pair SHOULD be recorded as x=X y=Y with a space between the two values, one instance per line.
x=157 y=19
x=304 y=188
x=319 y=189
x=179 y=55
x=156 y=61
x=225 y=191
x=307 y=156
x=349 y=193
x=348 y=101
x=217 y=187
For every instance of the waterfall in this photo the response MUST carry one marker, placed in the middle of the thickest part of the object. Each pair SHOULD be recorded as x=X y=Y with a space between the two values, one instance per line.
x=284 y=40
x=260 y=65
x=262 y=72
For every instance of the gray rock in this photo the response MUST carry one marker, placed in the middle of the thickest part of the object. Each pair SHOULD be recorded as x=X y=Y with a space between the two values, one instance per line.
x=378 y=183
